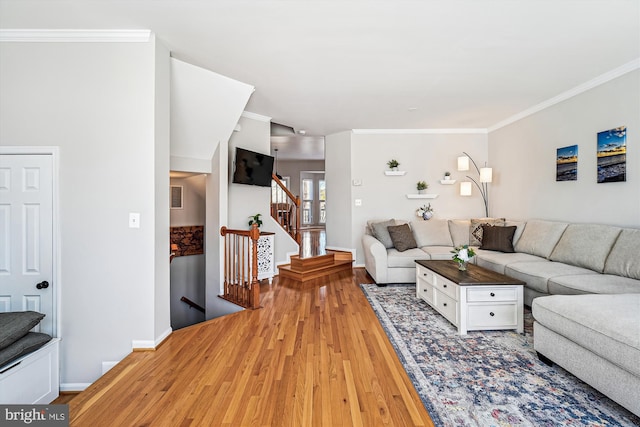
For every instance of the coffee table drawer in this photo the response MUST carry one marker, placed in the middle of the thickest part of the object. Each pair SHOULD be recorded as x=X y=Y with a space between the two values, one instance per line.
x=446 y=286
x=447 y=306
x=425 y=291
x=425 y=275
x=485 y=294
x=499 y=316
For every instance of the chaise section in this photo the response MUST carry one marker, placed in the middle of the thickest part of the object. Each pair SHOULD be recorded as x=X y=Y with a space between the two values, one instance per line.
x=596 y=338
x=537 y=273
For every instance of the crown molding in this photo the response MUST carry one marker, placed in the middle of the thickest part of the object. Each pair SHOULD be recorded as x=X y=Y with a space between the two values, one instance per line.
x=480 y=131
x=600 y=80
x=255 y=116
x=75 y=36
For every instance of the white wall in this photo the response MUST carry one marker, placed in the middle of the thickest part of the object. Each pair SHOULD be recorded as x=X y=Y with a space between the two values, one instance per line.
x=248 y=200
x=424 y=157
x=193 y=197
x=523 y=156
x=98 y=102
x=337 y=153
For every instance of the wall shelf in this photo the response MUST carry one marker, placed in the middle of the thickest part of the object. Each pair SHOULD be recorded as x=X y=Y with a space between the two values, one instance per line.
x=447 y=181
x=421 y=196
x=395 y=173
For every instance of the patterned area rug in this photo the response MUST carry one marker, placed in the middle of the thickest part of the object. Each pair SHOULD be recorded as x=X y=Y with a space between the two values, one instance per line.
x=488 y=378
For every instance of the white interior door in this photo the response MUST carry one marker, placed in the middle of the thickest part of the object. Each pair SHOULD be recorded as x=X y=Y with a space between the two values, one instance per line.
x=26 y=236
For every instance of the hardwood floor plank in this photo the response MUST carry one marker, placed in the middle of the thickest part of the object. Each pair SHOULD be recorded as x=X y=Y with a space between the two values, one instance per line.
x=313 y=355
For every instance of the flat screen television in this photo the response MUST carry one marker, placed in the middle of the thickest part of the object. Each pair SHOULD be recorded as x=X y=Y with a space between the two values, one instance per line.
x=252 y=168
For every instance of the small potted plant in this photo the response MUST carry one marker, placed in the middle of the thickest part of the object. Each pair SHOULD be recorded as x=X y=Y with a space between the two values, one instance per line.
x=447 y=176
x=462 y=255
x=421 y=186
x=393 y=164
x=255 y=219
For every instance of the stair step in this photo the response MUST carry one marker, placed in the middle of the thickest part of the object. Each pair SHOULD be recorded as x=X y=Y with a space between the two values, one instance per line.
x=304 y=269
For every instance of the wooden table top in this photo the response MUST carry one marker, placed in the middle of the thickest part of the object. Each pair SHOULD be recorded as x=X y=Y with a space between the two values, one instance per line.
x=474 y=275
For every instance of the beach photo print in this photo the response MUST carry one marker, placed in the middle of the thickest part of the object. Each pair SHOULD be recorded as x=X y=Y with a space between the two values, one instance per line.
x=612 y=155
x=567 y=163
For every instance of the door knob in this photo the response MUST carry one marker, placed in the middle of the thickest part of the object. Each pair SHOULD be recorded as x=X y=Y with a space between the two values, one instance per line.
x=43 y=285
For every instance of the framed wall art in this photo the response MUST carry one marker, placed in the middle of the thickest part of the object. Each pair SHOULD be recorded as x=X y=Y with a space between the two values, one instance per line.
x=567 y=163
x=612 y=155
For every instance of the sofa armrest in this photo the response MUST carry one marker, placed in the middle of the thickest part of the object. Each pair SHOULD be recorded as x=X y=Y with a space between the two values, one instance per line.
x=375 y=258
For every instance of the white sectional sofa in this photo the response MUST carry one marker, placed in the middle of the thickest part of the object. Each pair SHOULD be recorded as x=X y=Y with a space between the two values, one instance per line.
x=588 y=320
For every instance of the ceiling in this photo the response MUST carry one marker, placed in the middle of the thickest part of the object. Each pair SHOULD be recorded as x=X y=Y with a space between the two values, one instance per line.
x=328 y=66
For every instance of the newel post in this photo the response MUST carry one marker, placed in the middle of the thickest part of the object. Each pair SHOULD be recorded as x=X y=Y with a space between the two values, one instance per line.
x=254 y=234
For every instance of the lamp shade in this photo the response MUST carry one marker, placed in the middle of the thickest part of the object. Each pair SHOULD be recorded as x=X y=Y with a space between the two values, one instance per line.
x=486 y=174
x=465 y=188
x=463 y=163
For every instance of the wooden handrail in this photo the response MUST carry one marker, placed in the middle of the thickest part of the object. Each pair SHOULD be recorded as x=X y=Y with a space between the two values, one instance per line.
x=241 y=285
x=287 y=212
x=192 y=304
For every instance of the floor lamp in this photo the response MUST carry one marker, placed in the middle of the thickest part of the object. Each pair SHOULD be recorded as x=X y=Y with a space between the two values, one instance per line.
x=485 y=176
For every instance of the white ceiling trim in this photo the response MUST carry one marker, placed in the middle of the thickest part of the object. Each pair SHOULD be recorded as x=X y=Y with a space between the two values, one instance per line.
x=255 y=116
x=602 y=79
x=69 y=36
x=418 y=131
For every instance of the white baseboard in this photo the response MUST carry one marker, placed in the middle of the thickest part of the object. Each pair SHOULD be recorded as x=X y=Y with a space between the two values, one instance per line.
x=106 y=366
x=150 y=345
x=74 y=386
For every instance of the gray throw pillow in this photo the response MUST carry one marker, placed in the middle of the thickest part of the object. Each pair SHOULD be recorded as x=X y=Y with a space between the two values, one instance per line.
x=402 y=237
x=496 y=238
x=380 y=232
x=16 y=324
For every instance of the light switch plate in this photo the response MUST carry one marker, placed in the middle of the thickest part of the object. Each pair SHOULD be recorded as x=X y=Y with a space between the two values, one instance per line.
x=358 y=202
x=134 y=220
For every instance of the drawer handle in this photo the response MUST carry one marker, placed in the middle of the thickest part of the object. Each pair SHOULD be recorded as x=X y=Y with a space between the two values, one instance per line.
x=424 y=274
x=492 y=314
x=424 y=290
x=444 y=304
x=492 y=294
x=444 y=286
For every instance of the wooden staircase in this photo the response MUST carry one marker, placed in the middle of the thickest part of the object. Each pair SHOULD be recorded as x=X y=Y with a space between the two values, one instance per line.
x=316 y=267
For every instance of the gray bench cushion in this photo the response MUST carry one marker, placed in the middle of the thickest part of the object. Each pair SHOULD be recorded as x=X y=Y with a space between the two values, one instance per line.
x=537 y=274
x=586 y=245
x=540 y=237
x=623 y=258
x=593 y=284
x=607 y=325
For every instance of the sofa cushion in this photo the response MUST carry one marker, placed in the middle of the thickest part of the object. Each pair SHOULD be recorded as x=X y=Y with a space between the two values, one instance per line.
x=439 y=252
x=607 y=325
x=519 y=229
x=536 y=274
x=459 y=229
x=585 y=245
x=407 y=258
x=497 y=261
x=380 y=232
x=623 y=257
x=434 y=232
x=402 y=237
x=540 y=237
x=593 y=284
x=16 y=324
x=475 y=230
x=497 y=238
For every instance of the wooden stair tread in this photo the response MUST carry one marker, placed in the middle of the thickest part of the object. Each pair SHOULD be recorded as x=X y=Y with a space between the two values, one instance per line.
x=303 y=269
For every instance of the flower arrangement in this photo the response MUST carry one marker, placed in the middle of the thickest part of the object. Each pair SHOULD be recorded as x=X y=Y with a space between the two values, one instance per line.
x=393 y=163
x=422 y=185
x=425 y=212
x=255 y=218
x=462 y=255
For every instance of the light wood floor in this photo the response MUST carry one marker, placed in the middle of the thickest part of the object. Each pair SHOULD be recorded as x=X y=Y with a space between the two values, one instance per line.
x=314 y=354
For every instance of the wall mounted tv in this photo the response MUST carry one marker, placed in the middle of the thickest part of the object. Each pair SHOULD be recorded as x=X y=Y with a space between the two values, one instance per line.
x=252 y=168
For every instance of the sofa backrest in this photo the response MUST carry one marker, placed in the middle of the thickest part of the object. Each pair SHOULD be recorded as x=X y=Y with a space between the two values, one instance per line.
x=585 y=245
x=623 y=257
x=434 y=232
x=459 y=229
x=540 y=237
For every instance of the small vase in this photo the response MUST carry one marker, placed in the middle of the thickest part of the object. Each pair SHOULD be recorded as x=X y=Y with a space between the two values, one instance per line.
x=427 y=215
x=462 y=265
